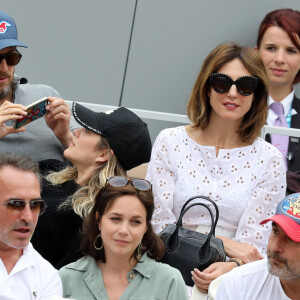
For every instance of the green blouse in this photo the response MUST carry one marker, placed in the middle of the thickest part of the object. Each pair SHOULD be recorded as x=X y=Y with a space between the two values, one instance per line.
x=149 y=280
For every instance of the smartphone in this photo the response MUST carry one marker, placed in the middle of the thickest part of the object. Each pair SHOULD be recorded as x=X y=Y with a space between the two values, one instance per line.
x=35 y=111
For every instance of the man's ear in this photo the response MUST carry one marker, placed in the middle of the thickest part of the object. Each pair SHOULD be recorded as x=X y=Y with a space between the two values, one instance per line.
x=255 y=48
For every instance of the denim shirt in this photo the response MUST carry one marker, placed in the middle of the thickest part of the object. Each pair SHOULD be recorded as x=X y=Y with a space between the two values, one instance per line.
x=149 y=280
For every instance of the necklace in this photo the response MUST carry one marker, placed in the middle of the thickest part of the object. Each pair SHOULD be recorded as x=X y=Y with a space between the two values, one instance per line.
x=229 y=146
x=204 y=140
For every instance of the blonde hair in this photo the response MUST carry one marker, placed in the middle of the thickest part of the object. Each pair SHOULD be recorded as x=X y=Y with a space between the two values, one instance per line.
x=82 y=200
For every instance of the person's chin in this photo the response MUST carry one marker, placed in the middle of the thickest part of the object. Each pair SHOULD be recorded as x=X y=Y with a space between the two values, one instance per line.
x=67 y=153
x=20 y=244
x=5 y=91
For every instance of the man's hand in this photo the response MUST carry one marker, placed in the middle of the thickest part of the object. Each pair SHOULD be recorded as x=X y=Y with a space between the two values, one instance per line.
x=58 y=120
x=10 y=111
x=203 y=279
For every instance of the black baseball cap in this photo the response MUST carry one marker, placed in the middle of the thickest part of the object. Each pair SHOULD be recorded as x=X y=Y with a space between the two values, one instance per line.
x=126 y=133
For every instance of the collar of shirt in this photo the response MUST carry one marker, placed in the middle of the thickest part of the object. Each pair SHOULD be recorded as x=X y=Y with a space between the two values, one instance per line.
x=25 y=261
x=89 y=264
x=146 y=266
x=287 y=106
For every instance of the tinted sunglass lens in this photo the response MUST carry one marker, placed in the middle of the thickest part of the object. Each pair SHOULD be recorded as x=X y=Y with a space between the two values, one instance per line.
x=15 y=207
x=117 y=181
x=15 y=58
x=141 y=184
x=38 y=206
x=12 y=59
x=246 y=86
x=221 y=84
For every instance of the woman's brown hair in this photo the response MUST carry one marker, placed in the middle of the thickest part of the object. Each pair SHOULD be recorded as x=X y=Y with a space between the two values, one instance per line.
x=199 y=108
x=151 y=243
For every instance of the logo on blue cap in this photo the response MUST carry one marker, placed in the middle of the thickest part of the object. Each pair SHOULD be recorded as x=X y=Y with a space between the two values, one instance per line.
x=291 y=207
x=3 y=27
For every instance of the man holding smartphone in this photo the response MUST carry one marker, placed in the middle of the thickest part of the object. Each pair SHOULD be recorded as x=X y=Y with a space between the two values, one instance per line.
x=43 y=138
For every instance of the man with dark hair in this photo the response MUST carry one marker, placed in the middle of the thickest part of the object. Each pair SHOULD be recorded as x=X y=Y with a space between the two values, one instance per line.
x=278 y=276
x=44 y=138
x=24 y=273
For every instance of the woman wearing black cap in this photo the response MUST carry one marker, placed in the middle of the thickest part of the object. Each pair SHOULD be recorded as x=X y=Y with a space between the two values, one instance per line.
x=108 y=145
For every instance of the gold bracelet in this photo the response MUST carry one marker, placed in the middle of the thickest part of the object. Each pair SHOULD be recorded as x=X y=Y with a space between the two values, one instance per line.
x=238 y=261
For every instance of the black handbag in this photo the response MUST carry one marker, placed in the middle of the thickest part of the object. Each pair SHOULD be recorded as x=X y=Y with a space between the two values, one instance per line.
x=187 y=249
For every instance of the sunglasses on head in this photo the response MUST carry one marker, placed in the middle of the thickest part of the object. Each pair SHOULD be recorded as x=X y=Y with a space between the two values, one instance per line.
x=119 y=181
x=12 y=58
x=15 y=207
x=245 y=85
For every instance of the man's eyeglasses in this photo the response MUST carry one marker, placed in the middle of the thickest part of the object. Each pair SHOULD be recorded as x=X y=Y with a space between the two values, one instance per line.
x=15 y=207
x=245 y=85
x=12 y=58
x=119 y=181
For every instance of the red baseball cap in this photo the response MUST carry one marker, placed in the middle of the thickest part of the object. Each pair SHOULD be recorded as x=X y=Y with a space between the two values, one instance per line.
x=287 y=216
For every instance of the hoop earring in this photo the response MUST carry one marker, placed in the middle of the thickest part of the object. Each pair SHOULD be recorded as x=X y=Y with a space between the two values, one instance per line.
x=95 y=241
x=139 y=251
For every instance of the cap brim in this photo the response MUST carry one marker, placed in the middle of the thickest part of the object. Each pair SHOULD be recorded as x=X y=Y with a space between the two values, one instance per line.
x=11 y=43
x=85 y=117
x=290 y=227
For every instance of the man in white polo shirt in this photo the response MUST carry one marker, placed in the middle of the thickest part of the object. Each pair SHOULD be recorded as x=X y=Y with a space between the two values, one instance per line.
x=24 y=274
x=278 y=276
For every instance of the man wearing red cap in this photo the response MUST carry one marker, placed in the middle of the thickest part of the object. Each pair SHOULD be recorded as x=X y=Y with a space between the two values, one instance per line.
x=278 y=276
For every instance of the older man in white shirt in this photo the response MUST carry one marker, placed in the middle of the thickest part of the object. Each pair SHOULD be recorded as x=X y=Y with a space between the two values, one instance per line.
x=24 y=273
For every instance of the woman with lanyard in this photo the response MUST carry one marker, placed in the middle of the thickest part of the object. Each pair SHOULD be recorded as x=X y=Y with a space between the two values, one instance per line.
x=278 y=44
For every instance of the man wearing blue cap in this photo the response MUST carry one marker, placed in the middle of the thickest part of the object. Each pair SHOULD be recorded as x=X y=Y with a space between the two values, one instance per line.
x=39 y=140
x=278 y=276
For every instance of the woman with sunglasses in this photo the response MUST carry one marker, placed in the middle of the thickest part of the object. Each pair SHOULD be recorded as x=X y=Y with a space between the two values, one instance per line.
x=278 y=44
x=120 y=249
x=222 y=157
x=109 y=144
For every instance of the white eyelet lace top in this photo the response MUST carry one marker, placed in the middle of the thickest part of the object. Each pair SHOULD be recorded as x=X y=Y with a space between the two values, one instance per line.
x=246 y=183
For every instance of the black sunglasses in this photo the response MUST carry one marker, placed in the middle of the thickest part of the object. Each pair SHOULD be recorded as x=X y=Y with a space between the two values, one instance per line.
x=119 y=181
x=221 y=83
x=14 y=207
x=12 y=58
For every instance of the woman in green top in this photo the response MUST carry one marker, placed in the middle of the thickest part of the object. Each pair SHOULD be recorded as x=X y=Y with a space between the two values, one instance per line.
x=120 y=249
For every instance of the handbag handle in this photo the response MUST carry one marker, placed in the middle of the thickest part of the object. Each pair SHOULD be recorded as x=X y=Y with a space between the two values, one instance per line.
x=173 y=241
x=214 y=223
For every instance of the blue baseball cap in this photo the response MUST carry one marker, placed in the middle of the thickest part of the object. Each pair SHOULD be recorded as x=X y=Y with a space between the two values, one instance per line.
x=8 y=32
x=287 y=216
